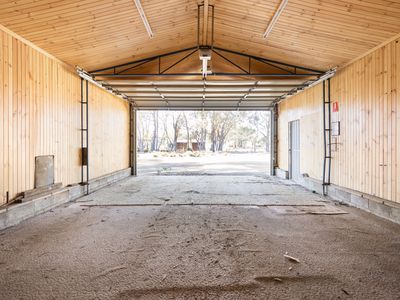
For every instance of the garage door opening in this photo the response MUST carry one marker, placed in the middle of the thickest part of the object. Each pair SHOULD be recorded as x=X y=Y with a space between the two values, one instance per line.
x=203 y=142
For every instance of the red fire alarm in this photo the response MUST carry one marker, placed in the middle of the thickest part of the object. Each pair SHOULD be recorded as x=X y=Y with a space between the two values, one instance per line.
x=335 y=106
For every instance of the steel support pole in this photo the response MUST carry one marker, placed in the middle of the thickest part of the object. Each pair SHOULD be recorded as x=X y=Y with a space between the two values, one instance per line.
x=133 y=140
x=87 y=138
x=329 y=132
x=85 y=135
x=274 y=140
x=82 y=132
x=326 y=115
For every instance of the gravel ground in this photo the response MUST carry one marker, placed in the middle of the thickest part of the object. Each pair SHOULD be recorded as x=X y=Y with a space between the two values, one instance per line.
x=201 y=237
x=203 y=163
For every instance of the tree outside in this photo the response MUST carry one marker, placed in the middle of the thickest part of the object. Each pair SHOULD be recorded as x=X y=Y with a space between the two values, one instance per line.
x=203 y=131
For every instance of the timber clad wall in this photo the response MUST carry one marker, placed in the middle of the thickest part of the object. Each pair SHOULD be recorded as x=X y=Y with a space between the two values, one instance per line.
x=306 y=107
x=108 y=132
x=368 y=150
x=40 y=115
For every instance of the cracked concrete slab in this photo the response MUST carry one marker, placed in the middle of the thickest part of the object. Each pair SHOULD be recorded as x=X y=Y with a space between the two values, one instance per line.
x=200 y=251
x=224 y=190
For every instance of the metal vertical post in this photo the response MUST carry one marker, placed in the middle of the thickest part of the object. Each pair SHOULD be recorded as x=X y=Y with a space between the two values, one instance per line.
x=82 y=134
x=85 y=135
x=273 y=140
x=329 y=132
x=275 y=122
x=326 y=116
x=133 y=140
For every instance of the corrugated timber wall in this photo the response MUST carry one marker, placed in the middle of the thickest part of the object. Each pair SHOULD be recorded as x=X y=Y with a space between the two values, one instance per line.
x=40 y=115
x=367 y=157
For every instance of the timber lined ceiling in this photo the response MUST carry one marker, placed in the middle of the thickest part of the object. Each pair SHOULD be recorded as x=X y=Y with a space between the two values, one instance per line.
x=100 y=33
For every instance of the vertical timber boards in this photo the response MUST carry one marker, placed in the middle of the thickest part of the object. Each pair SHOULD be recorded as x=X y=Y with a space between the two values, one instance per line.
x=367 y=153
x=367 y=91
x=306 y=107
x=109 y=132
x=40 y=115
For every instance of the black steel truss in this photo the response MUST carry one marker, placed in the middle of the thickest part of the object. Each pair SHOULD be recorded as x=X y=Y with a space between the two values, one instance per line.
x=274 y=70
x=289 y=70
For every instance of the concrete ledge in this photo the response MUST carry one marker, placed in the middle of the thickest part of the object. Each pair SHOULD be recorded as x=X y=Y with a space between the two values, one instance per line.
x=312 y=184
x=15 y=214
x=281 y=173
x=77 y=190
x=380 y=207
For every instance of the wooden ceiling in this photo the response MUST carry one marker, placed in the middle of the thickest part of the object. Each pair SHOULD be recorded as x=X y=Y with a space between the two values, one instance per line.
x=100 y=33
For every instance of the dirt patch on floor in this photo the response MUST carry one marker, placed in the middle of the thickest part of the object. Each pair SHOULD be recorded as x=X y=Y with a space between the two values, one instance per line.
x=205 y=251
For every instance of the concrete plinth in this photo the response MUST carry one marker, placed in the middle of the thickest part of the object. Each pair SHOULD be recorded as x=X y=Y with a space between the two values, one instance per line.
x=15 y=214
x=375 y=205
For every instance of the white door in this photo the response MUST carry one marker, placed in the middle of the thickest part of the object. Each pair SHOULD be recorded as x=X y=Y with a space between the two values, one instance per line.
x=294 y=150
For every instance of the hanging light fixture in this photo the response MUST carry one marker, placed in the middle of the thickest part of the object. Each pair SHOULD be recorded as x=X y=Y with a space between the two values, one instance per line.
x=205 y=57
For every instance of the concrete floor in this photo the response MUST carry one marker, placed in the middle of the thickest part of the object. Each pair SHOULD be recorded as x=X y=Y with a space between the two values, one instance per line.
x=201 y=237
